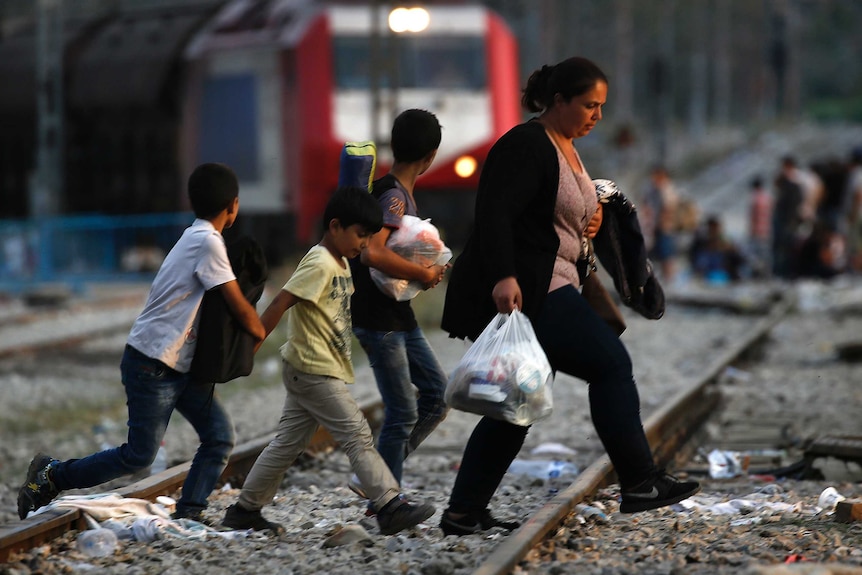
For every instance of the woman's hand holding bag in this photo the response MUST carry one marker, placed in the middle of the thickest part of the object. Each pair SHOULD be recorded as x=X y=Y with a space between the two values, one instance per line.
x=505 y=374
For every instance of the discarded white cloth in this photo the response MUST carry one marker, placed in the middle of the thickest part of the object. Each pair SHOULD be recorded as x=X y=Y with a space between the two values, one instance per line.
x=136 y=519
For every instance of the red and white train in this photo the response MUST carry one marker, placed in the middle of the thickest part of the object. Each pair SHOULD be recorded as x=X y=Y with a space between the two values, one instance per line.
x=274 y=89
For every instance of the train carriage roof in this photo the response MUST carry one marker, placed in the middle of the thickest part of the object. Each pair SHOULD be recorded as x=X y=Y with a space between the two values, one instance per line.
x=128 y=60
x=111 y=58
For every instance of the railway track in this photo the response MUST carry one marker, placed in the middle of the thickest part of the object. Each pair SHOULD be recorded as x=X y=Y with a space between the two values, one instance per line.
x=669 y=429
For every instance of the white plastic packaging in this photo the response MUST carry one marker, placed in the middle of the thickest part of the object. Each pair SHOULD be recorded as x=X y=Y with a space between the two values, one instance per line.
x=829 y=499
x=542 y=468
x=99 y=542
x=725 y=464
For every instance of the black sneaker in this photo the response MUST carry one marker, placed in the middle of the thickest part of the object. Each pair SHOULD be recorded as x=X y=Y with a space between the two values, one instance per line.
x=237 y=517
x=38 y=489
x=488 y=521
x=398 y=515
x=195 y=515
x=469 y=524
x=661 y=490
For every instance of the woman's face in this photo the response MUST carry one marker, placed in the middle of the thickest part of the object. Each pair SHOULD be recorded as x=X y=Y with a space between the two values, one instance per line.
x=580 y=114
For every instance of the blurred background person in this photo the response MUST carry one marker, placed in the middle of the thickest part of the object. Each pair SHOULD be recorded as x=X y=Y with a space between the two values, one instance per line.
x=787 y=218
x=823 y=254
x=713 y=257
x=853 y=209
x=760 y=228
x=658 y=215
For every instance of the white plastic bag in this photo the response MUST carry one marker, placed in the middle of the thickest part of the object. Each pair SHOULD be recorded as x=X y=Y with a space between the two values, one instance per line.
x=418 y=241
x=505 y=374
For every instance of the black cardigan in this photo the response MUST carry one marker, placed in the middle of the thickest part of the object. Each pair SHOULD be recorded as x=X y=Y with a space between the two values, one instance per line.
x=513 y=231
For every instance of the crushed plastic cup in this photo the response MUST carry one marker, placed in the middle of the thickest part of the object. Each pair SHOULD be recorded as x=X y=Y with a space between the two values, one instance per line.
x=99 y=542
x=529 y=377
x=829 y=499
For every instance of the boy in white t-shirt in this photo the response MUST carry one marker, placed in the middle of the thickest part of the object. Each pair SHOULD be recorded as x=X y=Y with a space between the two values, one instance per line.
x=317 y=365
x=157 y=358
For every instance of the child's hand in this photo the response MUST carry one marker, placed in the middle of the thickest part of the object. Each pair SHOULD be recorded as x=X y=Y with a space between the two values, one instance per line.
x=434 y=276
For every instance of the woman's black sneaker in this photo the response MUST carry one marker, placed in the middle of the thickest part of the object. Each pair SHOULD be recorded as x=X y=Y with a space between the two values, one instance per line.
x=469 y=524
x=488 y=521
x=659 y=491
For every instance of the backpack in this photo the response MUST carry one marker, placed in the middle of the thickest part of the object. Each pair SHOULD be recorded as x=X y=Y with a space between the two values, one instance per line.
x=357 y=164
x=225 y=350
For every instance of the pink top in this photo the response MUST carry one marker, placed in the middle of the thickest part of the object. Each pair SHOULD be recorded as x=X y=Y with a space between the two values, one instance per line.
x=761 y=215
x=576 y=205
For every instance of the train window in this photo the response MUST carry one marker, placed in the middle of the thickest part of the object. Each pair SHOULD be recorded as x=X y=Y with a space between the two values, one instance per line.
x=353 y=63
x=443 y=62
x=448 y=62
x=228 y=124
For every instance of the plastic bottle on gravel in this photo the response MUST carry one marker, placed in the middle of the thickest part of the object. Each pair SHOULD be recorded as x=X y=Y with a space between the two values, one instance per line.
x=542 y=468
x=587 y=511
x=99 y=542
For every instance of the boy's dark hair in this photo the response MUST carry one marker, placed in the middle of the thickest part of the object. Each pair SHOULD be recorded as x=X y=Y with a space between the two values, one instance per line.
x=212 y=188
x=353 y=205
x=415 y=134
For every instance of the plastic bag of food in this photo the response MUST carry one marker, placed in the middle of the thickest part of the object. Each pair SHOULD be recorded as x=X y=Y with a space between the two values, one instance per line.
x=505 y=374
x=416 y=240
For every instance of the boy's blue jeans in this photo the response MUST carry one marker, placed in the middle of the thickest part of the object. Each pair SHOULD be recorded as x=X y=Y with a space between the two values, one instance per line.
x=153 y=391
x=403 y=362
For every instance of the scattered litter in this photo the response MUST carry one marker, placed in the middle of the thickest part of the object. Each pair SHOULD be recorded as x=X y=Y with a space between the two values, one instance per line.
x=97 y=542
x=590 y=511
x=726 y=464
x=708 y=504
x=136 y=519
x=829 y=499
x=542 y=468
x=736 y=374
x=552 y=448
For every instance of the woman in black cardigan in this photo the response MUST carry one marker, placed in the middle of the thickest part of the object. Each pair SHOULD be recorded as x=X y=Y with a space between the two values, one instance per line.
x=535 y=206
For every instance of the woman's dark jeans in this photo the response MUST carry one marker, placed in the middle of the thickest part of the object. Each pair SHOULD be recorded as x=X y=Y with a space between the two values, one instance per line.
x=577 y=342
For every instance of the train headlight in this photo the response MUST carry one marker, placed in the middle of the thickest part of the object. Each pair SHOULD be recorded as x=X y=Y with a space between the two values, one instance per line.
x=409 y=20
x=465 y=166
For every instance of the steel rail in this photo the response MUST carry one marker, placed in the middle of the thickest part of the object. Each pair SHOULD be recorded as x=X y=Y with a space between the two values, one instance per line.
x=668 y=430
x=48 y=525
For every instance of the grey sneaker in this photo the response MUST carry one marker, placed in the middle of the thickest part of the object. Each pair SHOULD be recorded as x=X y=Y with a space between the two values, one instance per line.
x=237 y=517
x=38 y=489
x=398 y=515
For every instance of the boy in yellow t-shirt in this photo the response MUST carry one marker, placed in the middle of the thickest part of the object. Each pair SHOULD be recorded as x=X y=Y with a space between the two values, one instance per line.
x=316 y=367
